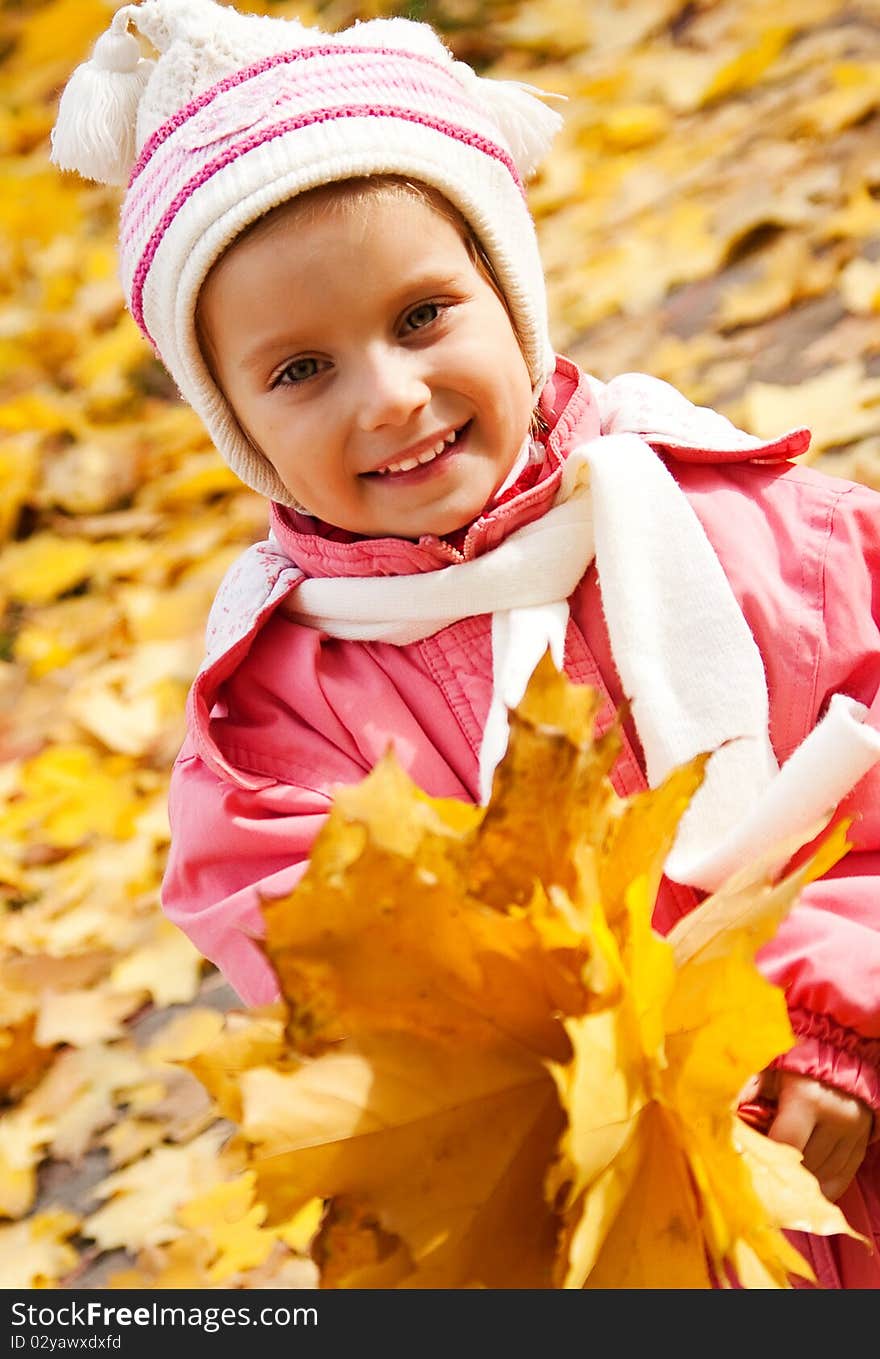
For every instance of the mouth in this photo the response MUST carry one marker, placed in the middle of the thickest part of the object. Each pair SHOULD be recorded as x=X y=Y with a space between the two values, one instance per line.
x=411 y=467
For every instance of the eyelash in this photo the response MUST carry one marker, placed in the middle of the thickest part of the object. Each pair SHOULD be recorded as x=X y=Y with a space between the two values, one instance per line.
x=280 y=379
x=438 y=309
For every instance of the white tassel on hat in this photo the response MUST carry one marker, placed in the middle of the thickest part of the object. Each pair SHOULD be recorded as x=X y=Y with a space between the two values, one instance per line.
x=528 y=125
x=94 y=132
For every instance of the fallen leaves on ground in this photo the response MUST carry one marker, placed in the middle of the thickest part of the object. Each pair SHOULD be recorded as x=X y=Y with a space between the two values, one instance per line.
x=37 y=1253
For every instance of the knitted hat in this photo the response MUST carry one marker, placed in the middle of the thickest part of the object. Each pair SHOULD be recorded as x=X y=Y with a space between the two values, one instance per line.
x=242 y=112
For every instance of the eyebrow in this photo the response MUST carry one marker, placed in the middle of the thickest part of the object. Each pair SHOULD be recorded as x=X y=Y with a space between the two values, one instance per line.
x=291 y=339
x=256 y=357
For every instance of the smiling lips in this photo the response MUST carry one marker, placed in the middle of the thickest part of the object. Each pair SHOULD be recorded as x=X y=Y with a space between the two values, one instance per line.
x=429 y=454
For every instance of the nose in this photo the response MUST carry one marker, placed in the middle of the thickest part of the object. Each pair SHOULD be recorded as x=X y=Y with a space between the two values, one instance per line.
x=393 y=388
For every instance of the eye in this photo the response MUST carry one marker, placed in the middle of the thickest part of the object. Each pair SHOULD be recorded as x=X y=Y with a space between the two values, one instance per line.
x=421 y=316
x=297 y=372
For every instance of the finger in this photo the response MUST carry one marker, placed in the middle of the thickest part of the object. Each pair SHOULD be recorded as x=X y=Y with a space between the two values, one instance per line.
x=749 y=1090
x=827 y=1150
x=768 y=1084
x=762 y=1086
x=835 y=1183
x=843 y=1161
x=795 y=1117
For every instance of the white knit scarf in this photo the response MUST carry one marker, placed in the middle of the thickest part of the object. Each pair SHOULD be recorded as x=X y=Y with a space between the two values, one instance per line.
x=685 y=655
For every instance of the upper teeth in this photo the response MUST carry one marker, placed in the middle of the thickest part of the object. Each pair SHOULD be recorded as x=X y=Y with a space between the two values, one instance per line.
x=428 y=456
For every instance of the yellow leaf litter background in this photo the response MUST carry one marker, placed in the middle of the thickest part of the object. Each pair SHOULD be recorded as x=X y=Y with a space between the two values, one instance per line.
x=710 y=214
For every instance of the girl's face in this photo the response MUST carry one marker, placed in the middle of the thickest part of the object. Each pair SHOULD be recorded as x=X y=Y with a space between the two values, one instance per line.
x=371 y=362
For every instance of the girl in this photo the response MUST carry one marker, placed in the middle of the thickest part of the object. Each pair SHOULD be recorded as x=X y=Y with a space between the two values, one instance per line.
x=326 y=240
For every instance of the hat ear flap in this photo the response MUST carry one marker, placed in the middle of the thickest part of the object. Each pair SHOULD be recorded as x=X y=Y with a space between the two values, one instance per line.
x=94 y=132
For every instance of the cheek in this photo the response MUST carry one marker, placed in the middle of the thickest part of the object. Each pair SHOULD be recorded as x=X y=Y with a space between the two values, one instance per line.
x=515 y=387
x=290 y=451
x=508 y=364
x=292 y=429
x=492 y=365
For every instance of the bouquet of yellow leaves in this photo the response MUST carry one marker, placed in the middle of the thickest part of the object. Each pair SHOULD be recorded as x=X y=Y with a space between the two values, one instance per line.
x=489 y=1068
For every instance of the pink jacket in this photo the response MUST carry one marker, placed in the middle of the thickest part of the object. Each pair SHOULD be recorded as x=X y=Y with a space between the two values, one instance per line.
x=280 y=713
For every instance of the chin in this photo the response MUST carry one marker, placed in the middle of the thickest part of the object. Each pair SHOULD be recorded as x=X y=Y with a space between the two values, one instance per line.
x=454 y=518
x=441 y=528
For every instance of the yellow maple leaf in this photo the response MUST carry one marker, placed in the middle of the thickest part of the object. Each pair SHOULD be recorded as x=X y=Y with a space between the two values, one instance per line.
x=128 y=704
x=497 y=1073
x=747 y=66
x=447 y=1145
x=18 y=474
x=838 y=405
x=71 y=792
x=175 y=1102
x=103 y=363
x=197 y=477
x=854 y=93
x=248 y=1040
x=166 y=965
x=82 y=1017
x=168 y=613
x=36 y=1253
x=790 y=272
x=689 y=79
x=44 y=566
x=860 y=286
x=282 y=1270
x=91 y=475
x=45 y=42
x=634 y=125
x=418 y=989
x=79 y=1094
x=130 y=1139
x=232 y=1224
x=24 y=1134
x=179 y=1264
x=396 y=944
x=662 y=1180
x=65 y=630
x=22 y=1057
x=144 y=1197
x=185 y=1035
x=298 y=1231
x=859 y=216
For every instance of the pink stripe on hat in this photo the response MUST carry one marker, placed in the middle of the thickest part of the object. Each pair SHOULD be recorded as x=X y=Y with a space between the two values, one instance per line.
x=358 y=75
x=258 y=68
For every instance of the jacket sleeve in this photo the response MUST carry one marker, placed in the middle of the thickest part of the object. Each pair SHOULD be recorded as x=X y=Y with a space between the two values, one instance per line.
x=826 y=955
x=229 y=847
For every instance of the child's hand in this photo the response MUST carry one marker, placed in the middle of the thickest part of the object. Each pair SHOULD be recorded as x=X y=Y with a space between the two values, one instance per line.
x=830 y=1128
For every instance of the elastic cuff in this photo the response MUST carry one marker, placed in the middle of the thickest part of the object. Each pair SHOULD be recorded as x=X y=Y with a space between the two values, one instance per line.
x=837 y=1056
